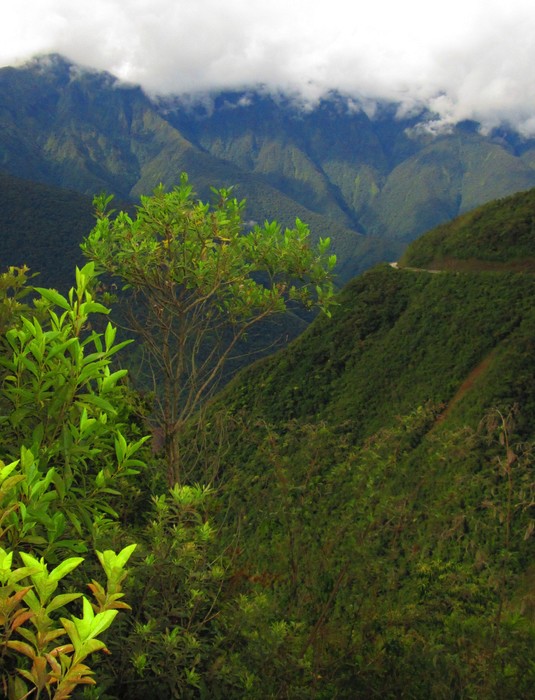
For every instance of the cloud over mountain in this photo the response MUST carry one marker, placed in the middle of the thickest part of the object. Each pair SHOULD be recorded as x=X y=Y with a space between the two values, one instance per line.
x=463 y=59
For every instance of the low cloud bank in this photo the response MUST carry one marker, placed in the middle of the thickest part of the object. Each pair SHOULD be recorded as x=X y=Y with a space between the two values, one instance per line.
x=463 y=60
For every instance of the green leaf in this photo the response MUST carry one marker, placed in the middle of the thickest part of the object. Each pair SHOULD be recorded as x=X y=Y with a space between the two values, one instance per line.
x=88 y=626
x=97 y=401
x=90 y=647
x=6 y=469
x=61 y=601
x=109 y=382
x=61 y=347
x=32 y=562
x=109 y=335
x=75 y=520
x=93 y=307
x=125 y=554
x=112 y=562
x=120 y=447
x=88 y=270
x=102 y=621
x=54 y=297
x=19 y=414
x=64 y=568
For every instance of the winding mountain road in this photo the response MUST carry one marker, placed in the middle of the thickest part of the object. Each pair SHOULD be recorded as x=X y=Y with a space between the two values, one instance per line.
x=415 y=269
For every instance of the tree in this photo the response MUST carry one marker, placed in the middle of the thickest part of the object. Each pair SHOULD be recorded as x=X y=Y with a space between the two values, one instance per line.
x=198 y=284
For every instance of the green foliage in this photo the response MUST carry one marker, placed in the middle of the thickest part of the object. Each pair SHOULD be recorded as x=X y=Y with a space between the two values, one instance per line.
x=204 y=252
x=390 y=547
x=170 y=643
x=29 y=609
x=13 y=289
x=62 y=430
x=59 y=399
x=365 y=533
x=424 y=539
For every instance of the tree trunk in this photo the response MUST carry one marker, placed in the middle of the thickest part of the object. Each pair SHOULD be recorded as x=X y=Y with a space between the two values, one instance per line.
x=172 y=454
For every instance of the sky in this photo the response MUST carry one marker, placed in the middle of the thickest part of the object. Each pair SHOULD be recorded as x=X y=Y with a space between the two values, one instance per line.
x=465 y=59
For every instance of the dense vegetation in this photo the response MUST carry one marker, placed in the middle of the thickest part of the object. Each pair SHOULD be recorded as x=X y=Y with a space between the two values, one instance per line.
x=498 y=235
x=355 y=520
x=42 y=227
x=397 y=339
x=199 y=285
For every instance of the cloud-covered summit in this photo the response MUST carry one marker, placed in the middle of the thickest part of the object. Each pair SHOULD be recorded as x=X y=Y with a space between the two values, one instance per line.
x=464 y=59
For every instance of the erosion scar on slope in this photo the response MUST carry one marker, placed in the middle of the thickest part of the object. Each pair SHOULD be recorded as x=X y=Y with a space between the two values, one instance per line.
x=466 y=385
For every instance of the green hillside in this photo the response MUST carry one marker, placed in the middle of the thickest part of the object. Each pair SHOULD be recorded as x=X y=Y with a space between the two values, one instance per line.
x=42 y=227
x=351 y=518
x=397 y=340
x=498 y=235
x=379 y=472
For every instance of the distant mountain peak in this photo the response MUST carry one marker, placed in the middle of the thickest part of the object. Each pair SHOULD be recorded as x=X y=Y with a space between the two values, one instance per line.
x=57 y=67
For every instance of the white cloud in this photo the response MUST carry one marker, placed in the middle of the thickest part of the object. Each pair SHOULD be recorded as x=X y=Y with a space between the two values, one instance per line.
x=465 y=58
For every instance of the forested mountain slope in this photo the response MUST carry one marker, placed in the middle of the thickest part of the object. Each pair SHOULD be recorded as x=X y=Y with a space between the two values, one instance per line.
x=497 y=236
x=350 y=518
x=404 y=336
x=385 y=173
x=401 y=339
x=379 y=472
x=365 y=524
x=42 y=226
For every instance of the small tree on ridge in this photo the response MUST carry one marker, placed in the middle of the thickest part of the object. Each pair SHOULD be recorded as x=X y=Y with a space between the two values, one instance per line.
x=198 y=284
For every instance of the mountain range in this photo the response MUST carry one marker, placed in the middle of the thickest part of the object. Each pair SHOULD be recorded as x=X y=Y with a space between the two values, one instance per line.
x=370 y=178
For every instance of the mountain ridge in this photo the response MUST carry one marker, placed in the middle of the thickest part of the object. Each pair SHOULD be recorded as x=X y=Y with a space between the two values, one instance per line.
x=345 y=170
x=372 y=163
x=78 y=130
x=498 y=235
